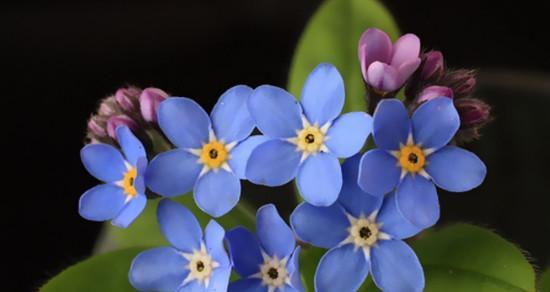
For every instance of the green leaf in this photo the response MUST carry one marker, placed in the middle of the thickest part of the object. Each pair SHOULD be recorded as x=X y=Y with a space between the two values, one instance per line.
x=332 y=36
x=145 y=230
x=106 y=272
x=309 y=258
x=544 y=281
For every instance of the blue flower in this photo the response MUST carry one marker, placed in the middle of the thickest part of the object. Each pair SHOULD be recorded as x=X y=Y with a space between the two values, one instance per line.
x=193 y=263
x=210 y=157
x=307 y=138
x=363 y=234
x=269 y=262
x=412 y=154
x=122 y=197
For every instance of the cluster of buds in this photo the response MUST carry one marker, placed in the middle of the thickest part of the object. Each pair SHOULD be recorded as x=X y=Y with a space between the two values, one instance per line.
x=387 y=68
x=131 y=107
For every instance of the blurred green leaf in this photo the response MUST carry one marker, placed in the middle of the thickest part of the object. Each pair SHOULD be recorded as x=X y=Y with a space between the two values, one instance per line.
x=106 y=272
x=309 y=258
x=544 y=281
x=145 y=230
x=332 y=35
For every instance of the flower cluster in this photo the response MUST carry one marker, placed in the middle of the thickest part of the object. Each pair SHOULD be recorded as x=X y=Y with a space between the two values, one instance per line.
x=361 y=210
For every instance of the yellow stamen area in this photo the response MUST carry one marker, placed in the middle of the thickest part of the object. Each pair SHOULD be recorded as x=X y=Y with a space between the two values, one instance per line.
x=412 y=158
x=310 y=139
x=214 y=154
x=128 y=182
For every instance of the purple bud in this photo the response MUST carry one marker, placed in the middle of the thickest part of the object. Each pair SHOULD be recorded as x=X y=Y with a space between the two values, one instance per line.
x=433 y=65
x=108 y=106
x=120 y=120
x=462 y=82
x=127 y=98
x=432 y=92
x=467 y=86
x=149 y=101
x=94 y=128
x=473 y=112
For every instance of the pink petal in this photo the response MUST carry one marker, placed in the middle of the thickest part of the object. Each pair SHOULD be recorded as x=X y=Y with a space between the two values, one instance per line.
x=406 y=48
x=383 y=77
x=374 y=45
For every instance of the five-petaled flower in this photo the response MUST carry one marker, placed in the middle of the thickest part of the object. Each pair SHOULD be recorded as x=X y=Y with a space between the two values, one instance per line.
x=122 y=197
x=268 y=262
x=210 y=157
x=363 y=234
x=413 y=153
x=306 y=139
x=193 y=263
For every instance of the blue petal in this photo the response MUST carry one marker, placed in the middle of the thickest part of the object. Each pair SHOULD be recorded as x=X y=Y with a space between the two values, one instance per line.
x=139 y=181
x=173 y=173
x=341 y=269
x=159 y=269
x=275 y=111
x=273 y=163
x=247 y=285
x=179 y=226
x=435 y=123
x=245 y=251
x=393 y=221
x=131 y=146
x=217 y=192
x=294 y=271
x=219 y=280
x=130 y=212
x=348 y=134
x=275 y=236
x=395 y=267
x=103 y=161
x=391 y=125
x=193 y=286
x=319 y=179
x=241 y=153
x=102 y=202
x=417 y=200
x=455 y=169
x=378 y=172
x=324 y=227
x=323 y=94
x=184 y=122
x=213 y=237
x=230 y=117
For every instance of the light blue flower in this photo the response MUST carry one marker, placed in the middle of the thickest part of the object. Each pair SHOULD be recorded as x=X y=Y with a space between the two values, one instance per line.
x=122 y=197
x=364 y=234
x=268 y=262
x=210 y=156
x=413 y=155
x=307 y=138
x=193 y=263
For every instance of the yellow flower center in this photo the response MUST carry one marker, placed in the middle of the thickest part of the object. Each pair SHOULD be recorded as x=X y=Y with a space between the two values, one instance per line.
x=412 y=158
x=128 y=182
x=310 y=139
x=214 y=154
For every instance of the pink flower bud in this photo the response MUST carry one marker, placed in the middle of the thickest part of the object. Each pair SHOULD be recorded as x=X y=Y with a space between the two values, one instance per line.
x=433 y=65
x=95 y=129
x=473 y=112
x=149 y=101
x=108 y=106
x=120 y=120
x=127 y=98
x=432 y=92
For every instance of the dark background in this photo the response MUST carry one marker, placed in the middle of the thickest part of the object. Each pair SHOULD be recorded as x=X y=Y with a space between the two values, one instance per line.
x=59 y=58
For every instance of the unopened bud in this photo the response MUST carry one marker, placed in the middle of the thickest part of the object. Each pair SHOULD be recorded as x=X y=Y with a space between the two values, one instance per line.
x=127 y=98
x=473 y=112
x=432 y=92
x=149 y=101
x=433 y=65
x=120 y=120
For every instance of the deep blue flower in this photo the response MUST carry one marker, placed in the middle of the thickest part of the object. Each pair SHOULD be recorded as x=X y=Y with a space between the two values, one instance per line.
x=363 y=234
x=193 y=263
x=413 y=155
x=307 y=138
x=122 y=197
x=210 y=157
x=268 y=262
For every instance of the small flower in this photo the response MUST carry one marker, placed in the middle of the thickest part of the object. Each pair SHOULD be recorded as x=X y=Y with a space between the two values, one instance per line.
x=192 y=263
x=433 y=65
x=413 y=155
x=122 y=197
x=432 y=92
x=210 y=156
x=385 y=67
x=306 y=139
x=149 y=101
x=268 y=262
x=364 y=234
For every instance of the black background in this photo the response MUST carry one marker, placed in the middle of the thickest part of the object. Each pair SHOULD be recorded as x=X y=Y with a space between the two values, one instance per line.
x=59 y=58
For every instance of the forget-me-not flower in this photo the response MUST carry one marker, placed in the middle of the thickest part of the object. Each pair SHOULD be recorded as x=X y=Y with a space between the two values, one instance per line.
x=209 y=158
x=413 y=154
x=307 y=138
x=364 y=234
x=193 y=263
x=270 y=261
x=122 y=197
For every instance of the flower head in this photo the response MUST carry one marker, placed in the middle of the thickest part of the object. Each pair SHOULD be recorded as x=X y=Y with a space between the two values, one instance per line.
x=305 y=140
x=122 y=197
x=193 y=262
x=211 y=150
x=363 y=234
x=413 y=155
x=268 y=262
x=387 y=67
